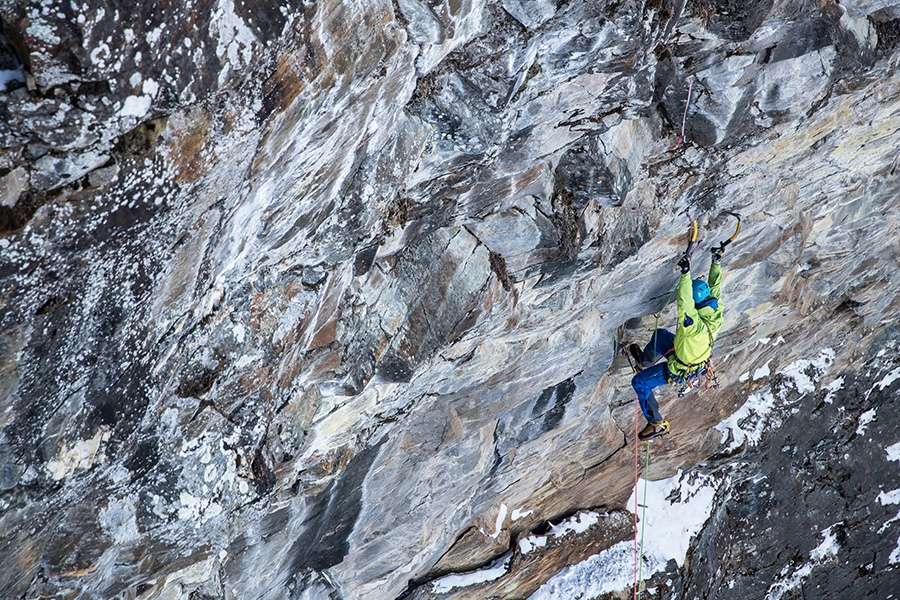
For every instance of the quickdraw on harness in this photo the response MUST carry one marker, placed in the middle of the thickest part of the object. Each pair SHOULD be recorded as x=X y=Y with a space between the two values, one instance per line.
x=692 y=379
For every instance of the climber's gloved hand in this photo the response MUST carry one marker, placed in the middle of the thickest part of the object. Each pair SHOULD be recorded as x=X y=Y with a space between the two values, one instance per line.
x=717 y=253
x=684 y=264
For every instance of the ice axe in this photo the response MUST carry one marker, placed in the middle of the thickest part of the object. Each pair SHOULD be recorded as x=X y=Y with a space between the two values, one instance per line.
x=718 y=252
x=736 y=231
x=692 y=237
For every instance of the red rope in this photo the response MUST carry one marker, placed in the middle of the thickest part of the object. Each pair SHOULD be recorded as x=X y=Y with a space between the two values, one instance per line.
x=684 y=118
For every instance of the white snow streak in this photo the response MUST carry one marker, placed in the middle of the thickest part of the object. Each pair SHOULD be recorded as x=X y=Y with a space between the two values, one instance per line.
x=501 y=517
x=789 y=580
x=496 y=570
x=518 y=514
x=864 y=419
x=889 y=379
x=832 y=388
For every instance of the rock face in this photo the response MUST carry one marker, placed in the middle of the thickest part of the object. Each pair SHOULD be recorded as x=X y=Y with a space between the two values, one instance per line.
x=320 y=300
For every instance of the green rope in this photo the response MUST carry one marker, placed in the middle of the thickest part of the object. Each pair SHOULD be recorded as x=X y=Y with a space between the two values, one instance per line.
x=643 y=523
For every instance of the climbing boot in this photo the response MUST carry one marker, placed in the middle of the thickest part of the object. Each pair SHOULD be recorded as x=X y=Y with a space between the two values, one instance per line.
x=654 y=429
x=635 y=352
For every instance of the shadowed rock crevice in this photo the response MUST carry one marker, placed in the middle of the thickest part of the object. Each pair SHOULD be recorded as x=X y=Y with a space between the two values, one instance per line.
x=331 y=516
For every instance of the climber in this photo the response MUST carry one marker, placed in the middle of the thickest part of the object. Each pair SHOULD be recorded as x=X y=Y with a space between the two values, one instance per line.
x=700 y=315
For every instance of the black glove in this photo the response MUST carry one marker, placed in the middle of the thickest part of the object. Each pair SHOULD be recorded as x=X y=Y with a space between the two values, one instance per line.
x=685 y=264
x=717 y=254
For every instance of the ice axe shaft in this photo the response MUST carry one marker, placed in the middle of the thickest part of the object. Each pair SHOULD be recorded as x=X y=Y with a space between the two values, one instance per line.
x=692 y=237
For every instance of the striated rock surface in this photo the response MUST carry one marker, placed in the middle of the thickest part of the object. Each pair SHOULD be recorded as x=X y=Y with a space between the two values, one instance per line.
x=321 y=300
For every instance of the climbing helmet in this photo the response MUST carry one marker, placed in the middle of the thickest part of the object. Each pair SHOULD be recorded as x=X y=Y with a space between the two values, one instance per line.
x=700 y=290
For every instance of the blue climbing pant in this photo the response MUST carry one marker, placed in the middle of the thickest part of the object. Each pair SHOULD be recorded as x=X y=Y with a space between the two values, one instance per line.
x=661 y=343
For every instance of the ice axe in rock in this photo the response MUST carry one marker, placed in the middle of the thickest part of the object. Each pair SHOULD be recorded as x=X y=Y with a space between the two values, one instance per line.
x=717 y=252
x=684 y=263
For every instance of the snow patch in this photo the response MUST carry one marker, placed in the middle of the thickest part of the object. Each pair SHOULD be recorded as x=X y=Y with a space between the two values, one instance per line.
x=498 y=525
x=789 y=580
x=864 y=419
x=578 y=524
x=832 y=388
x=749 y=422
x=518 y=514
x=763 y=371
x=892 y=497
x=609 y=571
x=799 y=370
x=756 y=414
x=136 y=106
x=889 y=379
x=828 y=547
x=496 y=570
x=893 y=452
x=676 y=509
x=528 y=544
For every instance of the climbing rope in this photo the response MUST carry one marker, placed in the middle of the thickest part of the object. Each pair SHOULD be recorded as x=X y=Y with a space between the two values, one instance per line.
x=637 y=412
x=639 y=554
x=687 y=104
x=643 y=516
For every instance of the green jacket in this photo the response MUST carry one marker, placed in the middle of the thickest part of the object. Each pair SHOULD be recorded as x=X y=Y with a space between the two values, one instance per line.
x=696 y=330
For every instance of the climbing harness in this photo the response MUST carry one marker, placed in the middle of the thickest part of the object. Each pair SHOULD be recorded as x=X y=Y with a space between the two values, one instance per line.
x=704 y=376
